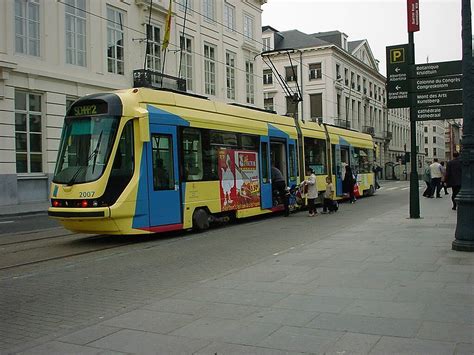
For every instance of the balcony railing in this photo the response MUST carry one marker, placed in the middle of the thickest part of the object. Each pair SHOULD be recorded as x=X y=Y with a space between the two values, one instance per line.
x=342 y=123
x=156 y=80
x=369 y=130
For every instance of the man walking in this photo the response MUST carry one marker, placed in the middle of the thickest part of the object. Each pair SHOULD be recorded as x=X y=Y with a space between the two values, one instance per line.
x=453 y=177
x=436 y=174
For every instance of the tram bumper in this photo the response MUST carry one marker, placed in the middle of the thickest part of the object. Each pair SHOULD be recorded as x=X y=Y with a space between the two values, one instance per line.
x=78 y=213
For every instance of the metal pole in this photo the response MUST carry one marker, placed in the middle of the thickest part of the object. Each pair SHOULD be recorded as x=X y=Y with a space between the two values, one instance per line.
x=414 y=187
x=465 y=223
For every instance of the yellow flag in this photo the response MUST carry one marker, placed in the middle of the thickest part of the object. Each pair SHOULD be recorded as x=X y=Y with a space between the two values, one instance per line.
x=166 y=38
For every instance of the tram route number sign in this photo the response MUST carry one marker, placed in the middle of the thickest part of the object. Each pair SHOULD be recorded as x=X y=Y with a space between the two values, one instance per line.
x=398 y=82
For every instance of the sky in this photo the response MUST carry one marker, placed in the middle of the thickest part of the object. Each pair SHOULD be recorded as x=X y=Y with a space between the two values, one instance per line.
x=382 y=22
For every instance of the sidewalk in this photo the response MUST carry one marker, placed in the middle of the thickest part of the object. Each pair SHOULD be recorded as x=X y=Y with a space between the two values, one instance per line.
x=389 y=285
x=24 y=209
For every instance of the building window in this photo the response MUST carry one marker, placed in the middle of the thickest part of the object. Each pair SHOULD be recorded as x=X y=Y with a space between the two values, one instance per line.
x=248 y=27
x=291 y=73
x=291 y=107
x=28 y=133
x=434 y=139
x=267 y=77
x=434 y=128
x=358 y=83
x=315 y=71
x=266 y=44
x=153 y=52
x=434 y=152
x=230 y=74
x=186 y=60
x=426 y=140
x=229 y=17
x=268 y=104
x=338 y=106
x=27 y=24
x=208 y=10
x=209 y=70
x=346 y=76
x=426 y=151
x=76 y=32
x=338 y=71
x=183 y=4
x=316 y=105
x=115 y=41
x=426 y=129
x=249 y=81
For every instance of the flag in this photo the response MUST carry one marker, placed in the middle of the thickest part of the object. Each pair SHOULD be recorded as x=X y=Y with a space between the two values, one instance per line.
x=166 y=38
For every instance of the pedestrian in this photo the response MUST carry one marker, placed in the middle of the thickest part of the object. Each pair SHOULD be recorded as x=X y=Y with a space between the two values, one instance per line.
x=328 y=203
x=348 y=184
x=427 y=180
x=453 y=177
x=436 y=175
x=376 y=169
x=312 y=192
x=443 y=179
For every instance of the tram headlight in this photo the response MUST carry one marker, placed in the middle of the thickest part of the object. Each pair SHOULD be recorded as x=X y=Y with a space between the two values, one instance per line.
x=95 y=203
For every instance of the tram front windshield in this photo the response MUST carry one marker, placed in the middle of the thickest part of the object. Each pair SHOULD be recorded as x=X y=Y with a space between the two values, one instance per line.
x=85 y=148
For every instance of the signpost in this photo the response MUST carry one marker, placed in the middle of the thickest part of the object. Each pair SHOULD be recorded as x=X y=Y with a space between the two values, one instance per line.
x=398 y=85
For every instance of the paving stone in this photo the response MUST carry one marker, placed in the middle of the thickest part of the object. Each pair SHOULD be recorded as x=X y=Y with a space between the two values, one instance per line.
x=450 y=332
x=136 y=342
x=352 y=343
x=400 y=310
x=275 y=287
x=313 y=303
x=439 y=297
x=444 y=276
x=88 y=334
x=350 y=292
x=283 y=316
x=464 y=349
x=225 y=330
x=390 y=345
x=243 y=297
x=57 y=347
x=152 y=321
x=235 y=349
x=301 y=339
x=366 y=325
x=449 y=313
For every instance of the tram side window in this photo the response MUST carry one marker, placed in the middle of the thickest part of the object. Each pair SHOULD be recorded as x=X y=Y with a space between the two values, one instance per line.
x=124 y=161
x=162 y=158
x=315 y=155
x=192 y=154
x=362 y=160
x=249 y=142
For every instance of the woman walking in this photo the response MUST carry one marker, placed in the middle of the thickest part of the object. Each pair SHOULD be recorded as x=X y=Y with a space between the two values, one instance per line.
x=312 y=193
x=348 y=183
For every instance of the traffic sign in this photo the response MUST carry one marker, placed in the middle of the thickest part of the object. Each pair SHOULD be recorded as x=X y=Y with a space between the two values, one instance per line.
x=438 y=98
x=398 y=58
x=437 y=69
x=438 y=112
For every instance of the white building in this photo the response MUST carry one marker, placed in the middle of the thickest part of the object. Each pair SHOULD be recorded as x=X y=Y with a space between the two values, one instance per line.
x=52 y=52
x=434 y=136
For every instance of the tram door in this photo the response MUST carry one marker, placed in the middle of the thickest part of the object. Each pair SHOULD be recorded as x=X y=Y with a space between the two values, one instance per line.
x=266 y=198
x=337 y=168
x=163 y=176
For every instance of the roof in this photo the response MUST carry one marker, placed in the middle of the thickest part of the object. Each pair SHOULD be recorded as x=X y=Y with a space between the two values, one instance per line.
x=354 y=44
x=297 y=39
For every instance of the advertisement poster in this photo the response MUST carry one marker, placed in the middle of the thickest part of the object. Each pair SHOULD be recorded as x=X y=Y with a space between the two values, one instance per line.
x=239 y=179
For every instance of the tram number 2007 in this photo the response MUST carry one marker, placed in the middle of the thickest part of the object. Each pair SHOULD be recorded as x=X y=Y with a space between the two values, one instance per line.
x=86 y=193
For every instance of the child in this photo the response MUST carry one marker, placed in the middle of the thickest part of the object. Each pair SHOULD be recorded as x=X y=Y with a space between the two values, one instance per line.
x=312 y=192
x=329 y=203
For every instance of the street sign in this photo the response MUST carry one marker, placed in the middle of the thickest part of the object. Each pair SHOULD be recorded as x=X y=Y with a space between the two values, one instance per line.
x=438 y=112
x=437 y=69
x=413 y=15
x=453 y=82
x=438 y=98
x=398 y=58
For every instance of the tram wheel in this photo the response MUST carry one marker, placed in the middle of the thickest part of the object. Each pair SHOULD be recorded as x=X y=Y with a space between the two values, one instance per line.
x=200 y=220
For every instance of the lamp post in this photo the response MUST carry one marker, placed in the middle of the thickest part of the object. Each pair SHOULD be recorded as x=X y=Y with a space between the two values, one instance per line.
x=465 y=223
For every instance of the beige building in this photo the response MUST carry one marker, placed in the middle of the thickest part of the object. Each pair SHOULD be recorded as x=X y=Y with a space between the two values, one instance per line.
x=52 y=52
x=434 y=136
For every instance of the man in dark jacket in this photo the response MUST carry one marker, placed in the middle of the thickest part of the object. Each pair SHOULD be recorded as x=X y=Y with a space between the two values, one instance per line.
x=453 y=176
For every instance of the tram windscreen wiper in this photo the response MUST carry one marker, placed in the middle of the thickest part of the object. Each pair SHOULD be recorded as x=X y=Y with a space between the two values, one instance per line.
x=93 y=155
